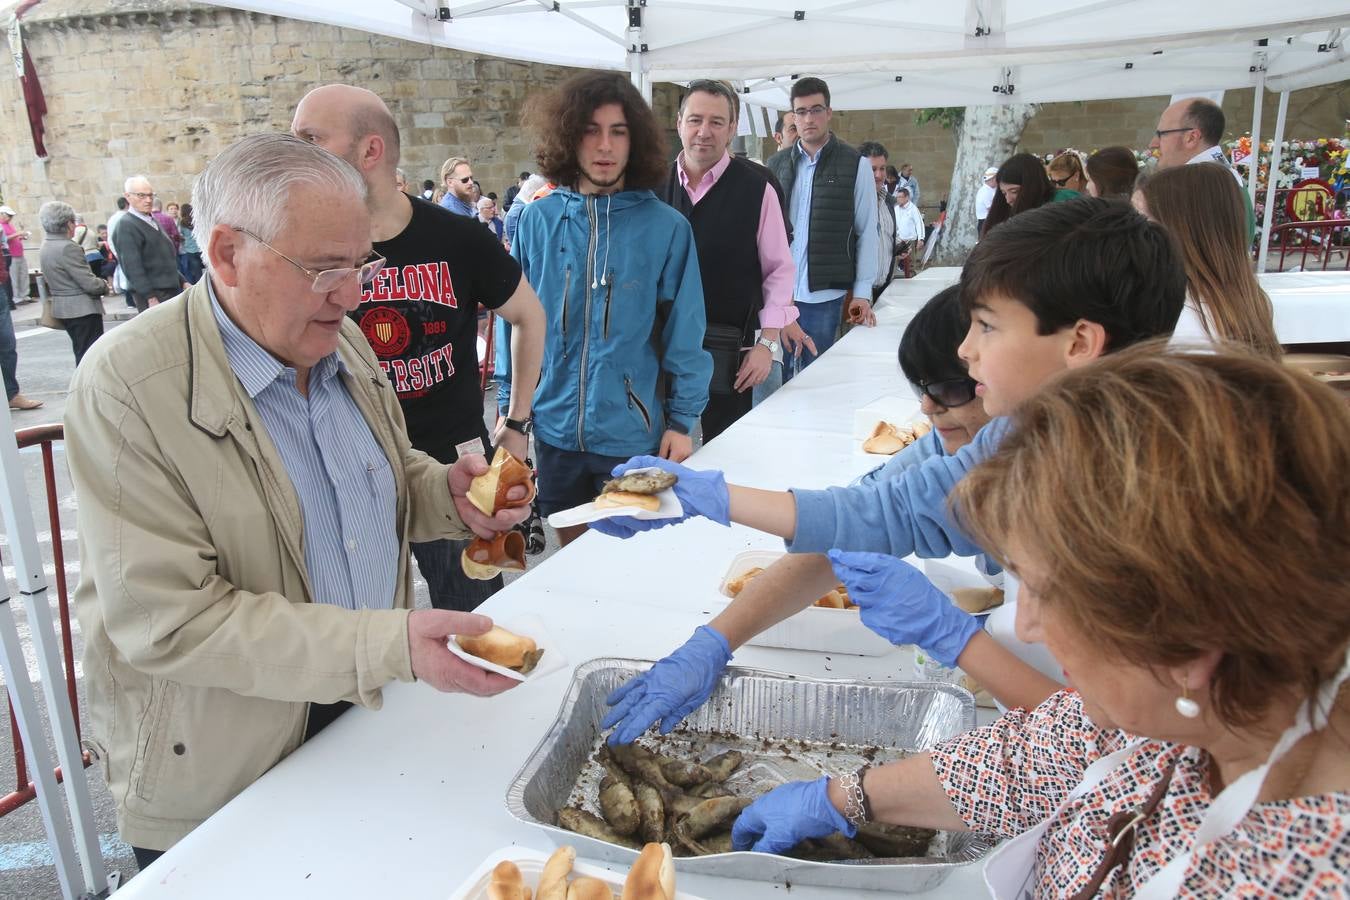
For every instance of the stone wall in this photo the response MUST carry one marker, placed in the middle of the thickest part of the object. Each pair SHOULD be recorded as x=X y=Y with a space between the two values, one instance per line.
x=161 y=86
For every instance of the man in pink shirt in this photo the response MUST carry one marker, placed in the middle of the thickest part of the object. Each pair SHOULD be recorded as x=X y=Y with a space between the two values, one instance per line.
x=735 y=208
x=18 y=266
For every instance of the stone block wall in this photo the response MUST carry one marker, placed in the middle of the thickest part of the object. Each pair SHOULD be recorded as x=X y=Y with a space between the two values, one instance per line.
x=161 y=86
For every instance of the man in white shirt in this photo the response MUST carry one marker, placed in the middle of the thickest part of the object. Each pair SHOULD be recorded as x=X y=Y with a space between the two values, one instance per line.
x=909 y=230
x=984 y=197
x=1189 y=132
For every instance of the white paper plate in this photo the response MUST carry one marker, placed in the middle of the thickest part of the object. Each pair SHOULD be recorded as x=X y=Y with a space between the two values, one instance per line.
x=531 y=864
x=530 y=626
x=670 y=508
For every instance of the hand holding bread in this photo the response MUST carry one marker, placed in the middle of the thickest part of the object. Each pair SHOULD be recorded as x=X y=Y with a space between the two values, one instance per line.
x=461 y=477
x=505 y=489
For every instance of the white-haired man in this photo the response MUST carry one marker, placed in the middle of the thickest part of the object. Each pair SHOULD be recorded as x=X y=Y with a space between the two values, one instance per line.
x=421 y=314
x=145 y=251
x=247 y=494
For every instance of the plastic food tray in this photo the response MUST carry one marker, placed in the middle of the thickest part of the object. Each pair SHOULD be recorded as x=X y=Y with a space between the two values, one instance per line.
x=825 y=725
x=531 y=863
x=814 y=628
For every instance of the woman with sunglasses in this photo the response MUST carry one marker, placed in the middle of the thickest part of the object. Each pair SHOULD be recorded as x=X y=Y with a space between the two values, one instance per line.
x=1066 y=174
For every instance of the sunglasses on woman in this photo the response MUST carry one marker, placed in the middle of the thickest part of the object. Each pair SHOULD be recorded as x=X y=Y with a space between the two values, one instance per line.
x=948 y=393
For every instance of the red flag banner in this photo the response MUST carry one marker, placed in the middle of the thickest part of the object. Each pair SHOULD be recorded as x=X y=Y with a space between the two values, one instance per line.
x=33 y=97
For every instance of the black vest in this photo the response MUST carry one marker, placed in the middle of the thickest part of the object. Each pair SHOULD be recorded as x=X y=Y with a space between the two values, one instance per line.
x=725 y=223
x=832 y=244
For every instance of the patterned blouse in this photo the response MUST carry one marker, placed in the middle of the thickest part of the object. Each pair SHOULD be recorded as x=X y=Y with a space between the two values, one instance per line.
x=1010 y=776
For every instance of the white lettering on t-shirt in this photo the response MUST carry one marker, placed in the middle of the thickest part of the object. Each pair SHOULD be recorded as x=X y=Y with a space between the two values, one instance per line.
x=420 y=372
x=429 y=282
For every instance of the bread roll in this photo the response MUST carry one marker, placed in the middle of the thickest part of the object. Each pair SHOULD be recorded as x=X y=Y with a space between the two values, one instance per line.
x=587 y=888
x=736 y=585
x=977 y=600
x=507 y=883
x=484 y=559
x=499 y=646
x=615 y=499
x=652 y=876
x=885 y=439
x=553 y=880
x=488 y=491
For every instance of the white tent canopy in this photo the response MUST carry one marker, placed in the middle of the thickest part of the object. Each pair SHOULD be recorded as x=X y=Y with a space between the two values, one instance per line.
x=676 y=40
x=1184 y=70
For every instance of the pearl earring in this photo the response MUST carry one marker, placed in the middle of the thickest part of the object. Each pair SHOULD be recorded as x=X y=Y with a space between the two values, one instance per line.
x=1186 y=706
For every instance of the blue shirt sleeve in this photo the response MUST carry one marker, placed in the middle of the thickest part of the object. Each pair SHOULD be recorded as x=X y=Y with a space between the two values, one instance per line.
x=865 y=225
x=902 y=515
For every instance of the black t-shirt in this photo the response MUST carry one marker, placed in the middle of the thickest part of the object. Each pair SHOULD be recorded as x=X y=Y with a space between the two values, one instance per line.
x=420 y=315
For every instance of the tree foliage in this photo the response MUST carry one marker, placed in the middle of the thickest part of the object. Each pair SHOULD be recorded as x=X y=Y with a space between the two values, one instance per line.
x=947 y=116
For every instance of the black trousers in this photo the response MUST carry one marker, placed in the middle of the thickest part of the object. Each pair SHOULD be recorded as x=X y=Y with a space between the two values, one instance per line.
x=723 y=410
x=321 y=715
x=83 y=331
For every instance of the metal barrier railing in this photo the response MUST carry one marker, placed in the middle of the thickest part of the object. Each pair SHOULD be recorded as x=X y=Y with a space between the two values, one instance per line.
x=1326 y=241
x=44 y=436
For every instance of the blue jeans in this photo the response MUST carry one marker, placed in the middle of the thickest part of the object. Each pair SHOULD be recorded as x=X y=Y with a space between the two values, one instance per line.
x=9 y=347
x=821 y=322
x=450 y=588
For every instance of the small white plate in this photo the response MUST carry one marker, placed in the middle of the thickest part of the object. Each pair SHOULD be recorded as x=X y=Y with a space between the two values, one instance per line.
x=530 y=626
x=670 y=508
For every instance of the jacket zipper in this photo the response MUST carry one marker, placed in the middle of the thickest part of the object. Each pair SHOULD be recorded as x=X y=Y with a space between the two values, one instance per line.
x=609 y=295
x=633 y=400
x=567 y=288
x=586 y=322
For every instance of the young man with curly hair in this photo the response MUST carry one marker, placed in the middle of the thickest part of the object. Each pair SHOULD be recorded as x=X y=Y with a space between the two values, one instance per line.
x=617 y=272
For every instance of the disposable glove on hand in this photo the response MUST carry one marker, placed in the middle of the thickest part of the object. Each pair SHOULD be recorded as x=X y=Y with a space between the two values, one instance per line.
x=669 y=690
x=788 y=815
x=898 y=602
x=700 y=493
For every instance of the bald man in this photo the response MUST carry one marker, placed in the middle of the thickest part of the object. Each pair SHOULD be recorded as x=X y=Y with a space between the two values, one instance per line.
x=1189 y=131
x=420 y=314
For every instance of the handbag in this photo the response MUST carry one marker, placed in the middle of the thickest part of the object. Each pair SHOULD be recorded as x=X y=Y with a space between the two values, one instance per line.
x=725 y=344
x=47 y=319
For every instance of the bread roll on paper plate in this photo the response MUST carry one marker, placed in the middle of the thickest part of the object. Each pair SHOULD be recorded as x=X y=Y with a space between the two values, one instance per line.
x=652 y=876
x=503 y=648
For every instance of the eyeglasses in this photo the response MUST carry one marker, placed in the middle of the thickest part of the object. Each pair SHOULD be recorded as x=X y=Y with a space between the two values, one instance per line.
x=465 y=180
x=1161 y=131
x=948 y=393
x=816 y=110
x=329 y=280
x=141 y=195
x=1060 y=182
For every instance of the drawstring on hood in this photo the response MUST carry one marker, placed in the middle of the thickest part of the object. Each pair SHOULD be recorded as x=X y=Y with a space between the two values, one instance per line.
x=609 y=202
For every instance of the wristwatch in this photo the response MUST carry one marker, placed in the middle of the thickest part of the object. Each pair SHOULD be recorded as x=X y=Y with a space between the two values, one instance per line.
x=765 y=342
x=524 y=426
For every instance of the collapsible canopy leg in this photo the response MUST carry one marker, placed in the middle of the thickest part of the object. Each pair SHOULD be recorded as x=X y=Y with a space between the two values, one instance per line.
x=1271 y=178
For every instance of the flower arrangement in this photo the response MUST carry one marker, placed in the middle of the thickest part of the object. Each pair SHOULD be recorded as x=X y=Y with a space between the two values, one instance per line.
x=1328 y=155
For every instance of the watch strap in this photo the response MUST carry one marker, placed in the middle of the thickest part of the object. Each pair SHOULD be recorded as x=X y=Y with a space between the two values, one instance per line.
x=523 y=426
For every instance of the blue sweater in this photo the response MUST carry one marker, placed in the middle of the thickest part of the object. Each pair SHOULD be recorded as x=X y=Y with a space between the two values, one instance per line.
x=900 y=515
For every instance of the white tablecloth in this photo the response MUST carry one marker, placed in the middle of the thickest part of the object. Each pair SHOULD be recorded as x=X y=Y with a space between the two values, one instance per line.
x=406 y=801
x=1310 y=307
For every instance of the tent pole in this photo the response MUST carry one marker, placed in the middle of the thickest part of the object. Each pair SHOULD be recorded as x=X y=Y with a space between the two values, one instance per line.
x=1254 y=161
x=1271 y=178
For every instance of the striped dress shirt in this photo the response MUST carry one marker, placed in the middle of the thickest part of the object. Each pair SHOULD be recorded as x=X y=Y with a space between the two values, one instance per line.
x=339 y=473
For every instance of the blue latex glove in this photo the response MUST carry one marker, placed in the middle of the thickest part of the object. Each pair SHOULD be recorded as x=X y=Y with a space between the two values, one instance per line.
x=788 y=815
x=669 y=690
x=898 y=602
x=700 y=493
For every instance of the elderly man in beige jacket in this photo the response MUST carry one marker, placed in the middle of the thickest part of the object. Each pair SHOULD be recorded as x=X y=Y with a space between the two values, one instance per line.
x=247 y=493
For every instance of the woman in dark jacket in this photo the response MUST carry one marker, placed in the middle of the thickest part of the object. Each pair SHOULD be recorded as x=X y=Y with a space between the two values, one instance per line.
x=74 y=290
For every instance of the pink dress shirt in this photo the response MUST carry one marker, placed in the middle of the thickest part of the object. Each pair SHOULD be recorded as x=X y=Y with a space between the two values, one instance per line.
x=775 y=258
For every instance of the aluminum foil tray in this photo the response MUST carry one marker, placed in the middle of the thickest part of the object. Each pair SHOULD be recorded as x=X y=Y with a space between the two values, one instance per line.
x=790 y=728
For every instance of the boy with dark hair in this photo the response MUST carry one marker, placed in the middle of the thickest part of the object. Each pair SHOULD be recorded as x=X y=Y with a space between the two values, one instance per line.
x=1050 y=290
x=617 y=272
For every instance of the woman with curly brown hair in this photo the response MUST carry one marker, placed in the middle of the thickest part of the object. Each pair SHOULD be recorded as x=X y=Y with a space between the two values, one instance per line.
x=625 y=372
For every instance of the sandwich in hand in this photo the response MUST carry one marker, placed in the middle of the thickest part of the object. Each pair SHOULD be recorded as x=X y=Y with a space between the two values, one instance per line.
x=488 y=491
x=486 y=559
x=503 y=648
x=636 y=489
